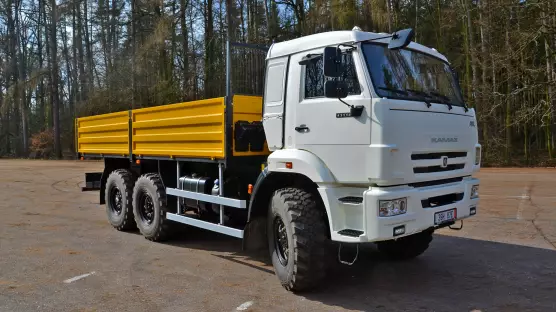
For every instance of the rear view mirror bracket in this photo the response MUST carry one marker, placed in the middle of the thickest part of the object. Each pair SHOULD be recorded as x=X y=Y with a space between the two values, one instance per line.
x=333 y=67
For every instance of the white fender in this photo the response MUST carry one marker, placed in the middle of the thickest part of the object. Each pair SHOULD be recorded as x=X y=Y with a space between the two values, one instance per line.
x=302 y=162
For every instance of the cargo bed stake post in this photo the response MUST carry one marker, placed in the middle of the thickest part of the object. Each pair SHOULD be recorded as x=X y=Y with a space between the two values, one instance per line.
x=178 y=186
x=221 y=190
x=130 y=134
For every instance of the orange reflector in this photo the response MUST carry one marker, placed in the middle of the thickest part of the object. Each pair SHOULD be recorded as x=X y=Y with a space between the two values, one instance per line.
x=289 y=165
x=138 y=161
x=250 y=189
x=82 y=158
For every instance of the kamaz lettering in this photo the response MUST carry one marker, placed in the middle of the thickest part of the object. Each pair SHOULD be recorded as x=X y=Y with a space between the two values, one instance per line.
x=444 y=140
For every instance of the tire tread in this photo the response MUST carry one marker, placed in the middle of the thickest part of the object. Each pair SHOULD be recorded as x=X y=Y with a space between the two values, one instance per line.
x=163 y=228
x=307 y=221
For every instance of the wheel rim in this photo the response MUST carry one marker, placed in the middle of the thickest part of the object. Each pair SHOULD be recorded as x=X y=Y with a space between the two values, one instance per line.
x=281 y=241
x=116 y=200
x=146 y=208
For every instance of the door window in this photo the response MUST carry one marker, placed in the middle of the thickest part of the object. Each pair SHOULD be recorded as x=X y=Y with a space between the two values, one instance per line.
x=314 y=77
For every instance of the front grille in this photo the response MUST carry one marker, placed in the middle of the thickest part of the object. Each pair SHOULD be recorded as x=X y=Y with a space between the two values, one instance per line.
x=436 y=182
x=441 y=200
x=447 y=161
x=431 y=169
x=438 y=155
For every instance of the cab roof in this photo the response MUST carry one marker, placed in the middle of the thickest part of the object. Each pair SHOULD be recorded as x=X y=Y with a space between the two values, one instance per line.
x=332 y=38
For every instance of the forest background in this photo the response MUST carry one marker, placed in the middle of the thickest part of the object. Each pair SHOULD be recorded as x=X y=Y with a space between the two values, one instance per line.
x=64 y=59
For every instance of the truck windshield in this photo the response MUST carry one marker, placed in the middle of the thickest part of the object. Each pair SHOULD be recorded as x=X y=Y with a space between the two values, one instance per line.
x=411 y=75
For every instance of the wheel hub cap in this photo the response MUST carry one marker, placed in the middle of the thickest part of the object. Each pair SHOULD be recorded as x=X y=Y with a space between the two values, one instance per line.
x=147 y=209
x=281 y=240
x=117 y=201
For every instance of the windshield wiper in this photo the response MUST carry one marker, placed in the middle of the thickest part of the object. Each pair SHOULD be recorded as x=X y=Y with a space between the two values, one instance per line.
x=404 y=92
x=434 y=96
x=442 y=96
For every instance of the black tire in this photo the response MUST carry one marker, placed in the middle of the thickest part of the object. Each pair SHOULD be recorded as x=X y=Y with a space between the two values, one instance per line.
x=303 y=266
x=406 y=248
x=149 y=207
x=118 y=198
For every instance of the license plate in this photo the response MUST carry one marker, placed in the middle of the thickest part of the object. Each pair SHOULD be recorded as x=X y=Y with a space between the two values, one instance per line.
x=445 y=216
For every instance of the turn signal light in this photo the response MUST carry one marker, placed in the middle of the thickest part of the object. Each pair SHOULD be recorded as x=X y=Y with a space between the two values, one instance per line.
x=250 y=189
x=289 y=165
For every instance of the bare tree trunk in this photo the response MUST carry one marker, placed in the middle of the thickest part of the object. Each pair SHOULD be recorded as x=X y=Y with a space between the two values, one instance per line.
x=508 y=116
x=474 y=79
x=65 y=53
x=81 y=55
x=242 y=18
x=550 y=80
x=105 y=46
x=54 y=79
x=5 y=114
x=484 y=96
x=389 y=11
x=185 y=47
x=75 y=86
x=209 y=47
x=40 y=92
x=49 y=57
x=89 y=49
x=132 y=40
x=23 y=96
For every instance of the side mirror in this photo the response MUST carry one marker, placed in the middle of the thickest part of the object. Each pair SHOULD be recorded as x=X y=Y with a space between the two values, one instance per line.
x=335 y=89
x=333 y=66
x=401 y=39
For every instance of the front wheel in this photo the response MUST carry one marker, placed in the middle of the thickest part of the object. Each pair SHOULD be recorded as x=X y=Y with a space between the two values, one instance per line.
x=149 y=207
x=406 y=248
x=296 y=236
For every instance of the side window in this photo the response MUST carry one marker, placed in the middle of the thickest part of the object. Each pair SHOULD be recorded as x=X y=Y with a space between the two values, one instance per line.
x=314 y=77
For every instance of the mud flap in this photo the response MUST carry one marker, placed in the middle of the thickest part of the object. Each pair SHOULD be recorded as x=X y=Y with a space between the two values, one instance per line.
x=254 y=235
x=92 y=181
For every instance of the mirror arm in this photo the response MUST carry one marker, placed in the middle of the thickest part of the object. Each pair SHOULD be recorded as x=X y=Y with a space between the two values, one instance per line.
x=348 y=105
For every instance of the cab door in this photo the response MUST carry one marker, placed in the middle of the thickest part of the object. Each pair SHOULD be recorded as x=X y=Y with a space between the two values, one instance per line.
x=318 y=124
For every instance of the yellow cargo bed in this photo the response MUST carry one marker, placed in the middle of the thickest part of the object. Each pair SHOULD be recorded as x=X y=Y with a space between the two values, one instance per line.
x=195 y=129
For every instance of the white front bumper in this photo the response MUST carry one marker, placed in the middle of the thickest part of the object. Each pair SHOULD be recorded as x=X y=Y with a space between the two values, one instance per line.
x=362 y=218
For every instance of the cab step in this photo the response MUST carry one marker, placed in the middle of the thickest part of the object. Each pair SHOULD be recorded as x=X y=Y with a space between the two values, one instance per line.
x=351 y=233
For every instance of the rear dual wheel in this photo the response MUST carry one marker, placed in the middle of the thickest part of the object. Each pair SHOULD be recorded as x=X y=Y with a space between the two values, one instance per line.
x=149 y=207
x=118 y=198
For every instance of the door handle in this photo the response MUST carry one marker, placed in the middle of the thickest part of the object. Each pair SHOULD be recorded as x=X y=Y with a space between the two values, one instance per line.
x=302 y=128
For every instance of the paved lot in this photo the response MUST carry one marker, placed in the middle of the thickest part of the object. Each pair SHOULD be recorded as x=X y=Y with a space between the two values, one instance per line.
x=503 y=260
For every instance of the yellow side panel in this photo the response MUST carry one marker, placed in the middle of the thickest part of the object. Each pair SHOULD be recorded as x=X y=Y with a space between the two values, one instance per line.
x=192 y=129
x=248 y=108
x=103 y=134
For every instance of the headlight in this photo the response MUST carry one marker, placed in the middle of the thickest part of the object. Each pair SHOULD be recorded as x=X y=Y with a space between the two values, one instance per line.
x=477 y=155
x=474 y=191
x=388 y=208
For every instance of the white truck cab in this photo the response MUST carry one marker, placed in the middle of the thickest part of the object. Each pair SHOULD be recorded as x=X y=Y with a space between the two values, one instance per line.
x=403 y=163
